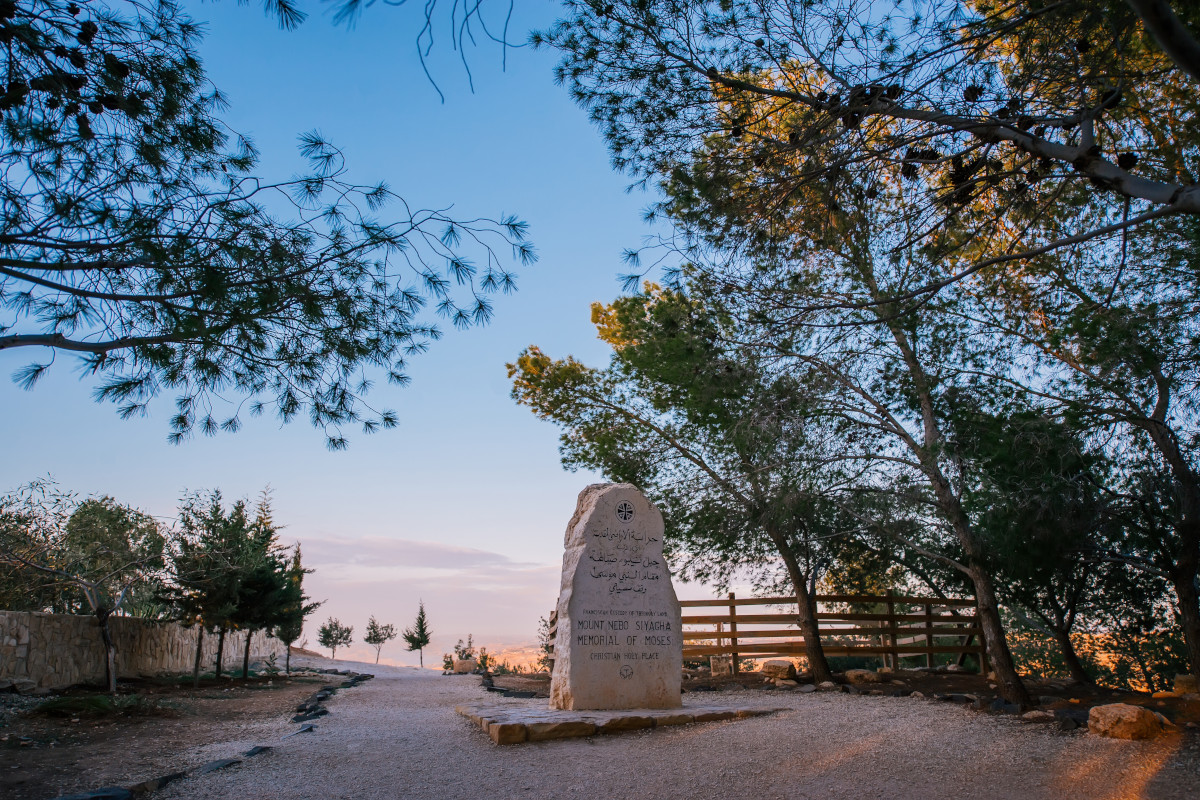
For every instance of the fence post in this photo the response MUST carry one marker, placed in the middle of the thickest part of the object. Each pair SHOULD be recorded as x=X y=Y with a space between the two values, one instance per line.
x=891 y=610
x=733 y=643
x=929 y=635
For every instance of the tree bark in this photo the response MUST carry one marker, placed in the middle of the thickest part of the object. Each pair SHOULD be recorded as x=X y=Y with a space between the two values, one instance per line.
x=199 y=649
x=1170 y=33
x=246 y=656
x=806 y=610
x=287 y=659
x=220 y=651
x=1188 y=603
x=988 y=609
x=1071 y=657
x=110 y=650
x=421 y=657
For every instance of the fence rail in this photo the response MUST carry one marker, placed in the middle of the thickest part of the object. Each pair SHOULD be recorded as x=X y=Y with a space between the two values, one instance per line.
x=893 y=626
x=942 y=625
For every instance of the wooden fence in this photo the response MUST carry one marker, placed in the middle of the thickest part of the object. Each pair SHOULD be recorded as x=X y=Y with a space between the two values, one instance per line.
x=890 y=626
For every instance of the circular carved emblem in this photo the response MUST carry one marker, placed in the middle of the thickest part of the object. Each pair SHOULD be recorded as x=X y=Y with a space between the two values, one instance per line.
x=624 y=511
x=626 y=671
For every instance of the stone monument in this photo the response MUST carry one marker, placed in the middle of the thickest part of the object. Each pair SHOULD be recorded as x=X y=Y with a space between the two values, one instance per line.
x=619 y=642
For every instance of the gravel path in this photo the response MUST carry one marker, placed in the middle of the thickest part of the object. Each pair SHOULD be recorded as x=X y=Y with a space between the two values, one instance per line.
x=398 y=737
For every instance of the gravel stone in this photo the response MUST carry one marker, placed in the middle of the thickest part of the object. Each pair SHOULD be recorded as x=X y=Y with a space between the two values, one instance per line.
x=399 y=735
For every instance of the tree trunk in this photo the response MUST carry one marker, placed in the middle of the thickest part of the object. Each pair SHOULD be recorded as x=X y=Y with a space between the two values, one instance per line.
x=377 y=656
x=996 y=644
x=1074 y=665
x=199 y=648
x=287 y=659
x=220 y=651
x=110 y=650
x=421 y=656
x=246 y=656
x=1184 y=583
x=806 y=610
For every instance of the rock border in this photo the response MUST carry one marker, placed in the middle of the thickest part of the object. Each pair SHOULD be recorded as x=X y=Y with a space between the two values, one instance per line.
x=517 y=724
x=311 y=708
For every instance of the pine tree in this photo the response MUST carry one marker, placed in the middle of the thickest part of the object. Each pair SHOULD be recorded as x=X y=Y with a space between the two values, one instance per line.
x=294 y=607
x=418 y=635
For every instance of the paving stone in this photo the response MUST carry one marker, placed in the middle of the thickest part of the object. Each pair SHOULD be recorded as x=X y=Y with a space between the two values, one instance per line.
x=569 y=729
x=213 y=766
x=673 y=719
x=507 y=732
x=626 y=723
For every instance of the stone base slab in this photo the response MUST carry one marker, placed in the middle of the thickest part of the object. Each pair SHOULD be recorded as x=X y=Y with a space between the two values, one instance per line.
x=514 y=724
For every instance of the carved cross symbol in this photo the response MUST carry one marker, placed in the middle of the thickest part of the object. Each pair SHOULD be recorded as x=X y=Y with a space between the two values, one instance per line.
x=626 y=671
x=624 y=511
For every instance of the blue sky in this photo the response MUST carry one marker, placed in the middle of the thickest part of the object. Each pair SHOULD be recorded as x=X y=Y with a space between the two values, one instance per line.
x=464 y=505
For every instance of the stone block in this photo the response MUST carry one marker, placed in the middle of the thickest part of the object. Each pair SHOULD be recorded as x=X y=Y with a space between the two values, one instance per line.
x=463 y=666
x=713 y=715
x=507 y=732
x=625 y=723
x=544 y=731
x=665 y=720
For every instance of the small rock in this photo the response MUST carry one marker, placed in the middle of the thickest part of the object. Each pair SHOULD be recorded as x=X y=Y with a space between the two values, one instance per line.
x=105 y=793
x=1038 y=716
x=785 y=683
x=305 y=729
x=464 y=666
x=807 y=688
x=23 y=686
x=1002 y=706
x=885 y=670
x=309 y=717
x=918 y=695
x=154 y=784
x=1160 y=695
x=863 y=676
x=1067 y=724
x=1166 y=723
x=779 y=668
x=955 y=668
x=828 y=686
x=213 y=766
x=1124 y=721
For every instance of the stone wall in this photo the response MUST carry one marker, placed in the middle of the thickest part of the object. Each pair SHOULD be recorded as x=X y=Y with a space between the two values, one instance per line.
x=58 y=650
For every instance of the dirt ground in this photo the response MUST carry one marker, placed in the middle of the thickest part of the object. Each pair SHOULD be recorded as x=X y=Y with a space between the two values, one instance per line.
x=45 y=756
x=173 y=727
